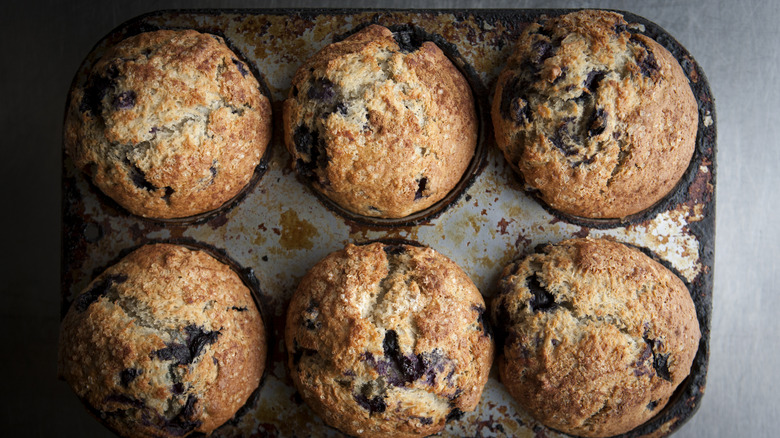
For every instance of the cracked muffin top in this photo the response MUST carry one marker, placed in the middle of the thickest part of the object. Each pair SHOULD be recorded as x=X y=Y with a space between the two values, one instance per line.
x=599 y=120
x=381 y=123
x=597 y=335
x=169 y=124
x=388 y=340
x=166 y=342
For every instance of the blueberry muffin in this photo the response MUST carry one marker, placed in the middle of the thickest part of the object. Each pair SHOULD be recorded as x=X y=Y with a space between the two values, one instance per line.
x=388 y=340
x=597 y=335
x=599 y=120
x=166 y=342
x=381 y=123
x=169 y=124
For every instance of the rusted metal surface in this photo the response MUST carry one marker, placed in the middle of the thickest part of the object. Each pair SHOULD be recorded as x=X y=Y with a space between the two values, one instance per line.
x=279 y=227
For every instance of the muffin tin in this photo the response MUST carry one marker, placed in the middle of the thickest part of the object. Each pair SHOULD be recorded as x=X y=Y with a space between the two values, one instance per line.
x=278 y=228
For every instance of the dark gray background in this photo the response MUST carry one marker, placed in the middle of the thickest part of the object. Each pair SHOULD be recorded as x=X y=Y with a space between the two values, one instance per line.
x=737 y=44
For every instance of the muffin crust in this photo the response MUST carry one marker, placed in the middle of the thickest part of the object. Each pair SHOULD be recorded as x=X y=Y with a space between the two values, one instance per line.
x=381 y=126
x=388 y=340
x=597 y=335
x=169 y=124
x=599 y=120
x=164 y=343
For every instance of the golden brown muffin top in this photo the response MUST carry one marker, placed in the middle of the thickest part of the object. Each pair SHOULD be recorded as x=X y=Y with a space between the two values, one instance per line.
x=388 y=340
x=169 y=124
x=597 y=335
x=382 y=130
x=600 y=120
x=166 y=342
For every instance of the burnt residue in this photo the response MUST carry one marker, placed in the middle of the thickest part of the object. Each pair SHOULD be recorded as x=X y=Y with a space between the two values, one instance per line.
x=454 y=415
x=392 y=246
x=408 y=38
x=392 y=250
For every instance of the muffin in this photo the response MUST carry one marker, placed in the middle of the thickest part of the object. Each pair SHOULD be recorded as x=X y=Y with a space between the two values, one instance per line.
x=388 y=340
x=169 y=124
x=597 y=335
x=381 y=123
x=166 y=342
x=600 y=121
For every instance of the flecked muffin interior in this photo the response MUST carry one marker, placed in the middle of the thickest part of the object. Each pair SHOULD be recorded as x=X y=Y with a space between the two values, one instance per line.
x=596 y=335
x=381 y=123
x=388 y=340
x=166 y=342
x=601 y=121
x=169 y=124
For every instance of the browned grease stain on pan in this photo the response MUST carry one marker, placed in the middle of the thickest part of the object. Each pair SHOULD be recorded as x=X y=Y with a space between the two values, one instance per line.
x=362 y=233
x=296 y=233
x=701 y=189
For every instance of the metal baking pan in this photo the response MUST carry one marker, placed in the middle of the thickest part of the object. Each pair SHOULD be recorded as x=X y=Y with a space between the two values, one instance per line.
x=279 y=228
